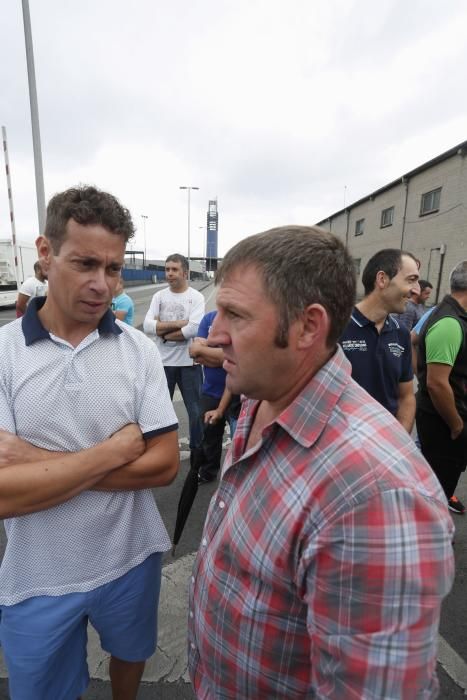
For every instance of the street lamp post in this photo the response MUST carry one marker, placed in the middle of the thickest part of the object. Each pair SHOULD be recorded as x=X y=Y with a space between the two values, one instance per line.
x=144 y=217
x=203 y=228
x=36 y=137
x=189 y=188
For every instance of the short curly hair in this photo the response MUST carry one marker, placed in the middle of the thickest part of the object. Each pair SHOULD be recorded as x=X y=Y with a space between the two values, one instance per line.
x=88 y=206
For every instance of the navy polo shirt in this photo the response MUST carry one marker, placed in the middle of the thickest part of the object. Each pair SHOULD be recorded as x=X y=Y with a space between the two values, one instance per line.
x=380 y=360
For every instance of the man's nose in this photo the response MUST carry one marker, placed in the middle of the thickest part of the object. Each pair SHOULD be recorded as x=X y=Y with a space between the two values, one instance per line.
x=218 y=334
x=415 y=289
x=99 y=281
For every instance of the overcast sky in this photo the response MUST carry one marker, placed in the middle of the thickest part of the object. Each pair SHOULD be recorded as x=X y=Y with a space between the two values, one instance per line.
x=279 y=108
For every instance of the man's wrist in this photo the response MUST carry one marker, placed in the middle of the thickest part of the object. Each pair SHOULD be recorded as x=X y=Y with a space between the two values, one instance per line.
x=455 y=432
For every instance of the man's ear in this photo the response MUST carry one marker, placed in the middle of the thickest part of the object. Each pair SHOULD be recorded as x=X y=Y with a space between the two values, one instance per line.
x=44 y=251
x=381 y=281
x=314 y=327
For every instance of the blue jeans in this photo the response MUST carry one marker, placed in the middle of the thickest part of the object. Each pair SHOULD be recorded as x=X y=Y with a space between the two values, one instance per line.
x=189 y=380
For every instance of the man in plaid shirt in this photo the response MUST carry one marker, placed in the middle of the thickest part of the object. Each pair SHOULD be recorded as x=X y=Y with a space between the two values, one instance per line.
x=327 y=550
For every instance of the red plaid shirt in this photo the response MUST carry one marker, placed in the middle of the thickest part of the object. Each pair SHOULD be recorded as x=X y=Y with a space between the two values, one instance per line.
x=325 y=557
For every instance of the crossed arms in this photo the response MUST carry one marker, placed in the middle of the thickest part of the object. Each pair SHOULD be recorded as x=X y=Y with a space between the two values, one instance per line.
x=170 y=330
x=33 y=479
x=180 y=330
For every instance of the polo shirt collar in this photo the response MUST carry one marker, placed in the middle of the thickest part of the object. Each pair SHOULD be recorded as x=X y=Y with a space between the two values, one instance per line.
x=359 y=318
x=34 y=330
x=362 y=320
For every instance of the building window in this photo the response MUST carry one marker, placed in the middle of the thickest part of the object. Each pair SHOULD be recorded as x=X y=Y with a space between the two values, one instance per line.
x=430 y=202
x=359 y=227
x=356 y=262
x=387 y=217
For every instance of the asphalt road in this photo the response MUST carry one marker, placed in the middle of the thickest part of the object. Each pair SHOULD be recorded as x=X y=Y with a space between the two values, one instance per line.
x=173 y=685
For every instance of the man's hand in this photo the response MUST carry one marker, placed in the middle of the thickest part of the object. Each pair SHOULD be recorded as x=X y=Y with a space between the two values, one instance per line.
x=129 y=442
x=213 y=417
x=456 y=432
x=197 y=346
x=14 y=450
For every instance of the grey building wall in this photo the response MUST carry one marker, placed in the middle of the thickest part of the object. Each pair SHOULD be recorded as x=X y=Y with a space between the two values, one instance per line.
x=438 y=239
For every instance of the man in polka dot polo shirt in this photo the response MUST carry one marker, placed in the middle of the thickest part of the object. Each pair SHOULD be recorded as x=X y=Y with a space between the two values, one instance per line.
x=87 y=429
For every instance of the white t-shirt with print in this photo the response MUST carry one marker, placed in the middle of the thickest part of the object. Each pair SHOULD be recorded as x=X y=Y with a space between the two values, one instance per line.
x=171 y=306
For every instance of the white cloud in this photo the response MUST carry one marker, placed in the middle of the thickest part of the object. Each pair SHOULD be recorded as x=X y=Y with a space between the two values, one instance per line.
x=274 y=107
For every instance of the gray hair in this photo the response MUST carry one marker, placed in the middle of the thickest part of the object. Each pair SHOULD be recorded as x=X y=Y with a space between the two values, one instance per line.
x=458 y=277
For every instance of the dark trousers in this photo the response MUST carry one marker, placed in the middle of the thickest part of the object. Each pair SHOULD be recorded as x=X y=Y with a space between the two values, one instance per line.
x=445 y=456
x=212 y=440
x=189 y=380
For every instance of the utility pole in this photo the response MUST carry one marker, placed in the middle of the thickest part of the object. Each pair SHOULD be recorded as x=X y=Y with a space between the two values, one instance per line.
x=144 y=217
x=10 y=203
x=189 y=188
x=36 y=137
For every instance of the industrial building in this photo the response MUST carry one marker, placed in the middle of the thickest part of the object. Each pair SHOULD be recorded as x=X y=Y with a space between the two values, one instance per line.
x=424 y=212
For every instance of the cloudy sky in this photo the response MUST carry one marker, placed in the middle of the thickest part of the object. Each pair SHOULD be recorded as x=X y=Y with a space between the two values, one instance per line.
x=282 y=109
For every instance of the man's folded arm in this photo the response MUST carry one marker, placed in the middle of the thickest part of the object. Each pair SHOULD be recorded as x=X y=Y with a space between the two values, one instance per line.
x=157 y=466
x=49 y=479
x=173 y=335
x=190 y=330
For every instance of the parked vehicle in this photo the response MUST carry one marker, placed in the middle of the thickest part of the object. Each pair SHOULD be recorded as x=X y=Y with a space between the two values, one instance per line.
x=27 y=256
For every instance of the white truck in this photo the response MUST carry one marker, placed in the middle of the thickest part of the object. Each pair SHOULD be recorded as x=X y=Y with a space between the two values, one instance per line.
x=27 y=256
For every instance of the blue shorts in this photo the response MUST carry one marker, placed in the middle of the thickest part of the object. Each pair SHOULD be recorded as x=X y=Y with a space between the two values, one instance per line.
x=44 y=638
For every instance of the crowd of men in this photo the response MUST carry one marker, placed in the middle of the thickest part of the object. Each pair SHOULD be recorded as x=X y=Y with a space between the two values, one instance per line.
x=327 y=547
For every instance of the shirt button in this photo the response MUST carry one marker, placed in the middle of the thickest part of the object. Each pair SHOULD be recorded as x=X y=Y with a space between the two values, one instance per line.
x=204 y=542
x=192 y=579
x=191 y=614
x=193 y=646
x=221 y=504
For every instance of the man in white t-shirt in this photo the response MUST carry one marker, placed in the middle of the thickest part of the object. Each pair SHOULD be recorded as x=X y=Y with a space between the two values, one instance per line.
x=32 y=287
x=173 y=318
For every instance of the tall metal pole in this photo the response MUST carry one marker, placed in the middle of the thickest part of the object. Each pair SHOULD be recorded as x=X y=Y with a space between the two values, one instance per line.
x=12 y=212
x=144 y=217
x=189 y=188
x=36 y=137
x=205 y=247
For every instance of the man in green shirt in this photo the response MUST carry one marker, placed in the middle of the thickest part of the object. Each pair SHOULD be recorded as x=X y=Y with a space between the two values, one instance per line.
x=442 y=397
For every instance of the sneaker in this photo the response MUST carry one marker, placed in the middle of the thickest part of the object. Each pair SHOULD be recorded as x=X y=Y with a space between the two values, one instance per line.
x=456 y=506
